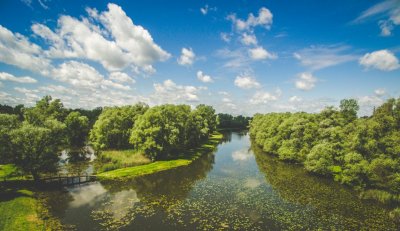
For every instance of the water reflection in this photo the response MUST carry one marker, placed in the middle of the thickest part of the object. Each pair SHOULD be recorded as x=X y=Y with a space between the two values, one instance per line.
x=232 y=189
x=334 y=205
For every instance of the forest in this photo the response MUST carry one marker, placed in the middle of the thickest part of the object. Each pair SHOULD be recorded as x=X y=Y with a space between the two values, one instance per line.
x=359 y=152
x=32 y=138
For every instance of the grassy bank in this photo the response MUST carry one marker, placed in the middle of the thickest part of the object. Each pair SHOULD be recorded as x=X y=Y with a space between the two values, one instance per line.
x=8 y=172
x=23 y=209
x=184 y=159
x=114 y=159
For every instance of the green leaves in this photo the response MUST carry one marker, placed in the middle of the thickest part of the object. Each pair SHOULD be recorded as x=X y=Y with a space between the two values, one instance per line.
x=165 y=131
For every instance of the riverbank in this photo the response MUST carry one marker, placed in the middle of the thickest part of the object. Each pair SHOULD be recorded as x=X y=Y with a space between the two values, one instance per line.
x=158 y=166
x=115 y=159
x=24 y=208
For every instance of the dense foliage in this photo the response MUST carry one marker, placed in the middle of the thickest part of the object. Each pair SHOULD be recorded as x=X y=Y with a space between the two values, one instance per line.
x=361 y=152
x=165 y=131
x=34 y=144
x=32 y=138
x=227 y=121
x=113 y=127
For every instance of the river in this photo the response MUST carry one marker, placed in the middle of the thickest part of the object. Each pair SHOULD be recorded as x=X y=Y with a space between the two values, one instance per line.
x=237 y=187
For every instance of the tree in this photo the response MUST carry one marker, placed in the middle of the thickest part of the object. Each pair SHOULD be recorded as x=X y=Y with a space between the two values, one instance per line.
x=7 y=124
x=77 y=128
x=113 y=127
x=45 y=109
x=36 y=149
x=166 y=131
x=349 y=109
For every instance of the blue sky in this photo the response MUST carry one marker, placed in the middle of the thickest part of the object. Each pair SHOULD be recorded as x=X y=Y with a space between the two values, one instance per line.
x=241 y=57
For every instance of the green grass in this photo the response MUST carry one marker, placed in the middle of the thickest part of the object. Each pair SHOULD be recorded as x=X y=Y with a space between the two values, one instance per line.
x=114 y=159
x=22 y=209
x=143 y=169
x=183 y=160
x=18 y=211
x=10 y=173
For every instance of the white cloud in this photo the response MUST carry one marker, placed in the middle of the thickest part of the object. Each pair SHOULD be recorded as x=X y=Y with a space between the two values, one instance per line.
x=223 y=93
x=305 y=81
x=170 y=92
x=236 y=58
x=263 y=19
x=77 y=74
x=204 y=78
x=121 y=77
x=82 y=75
x=389 y=10
x=10 y=77
x=15 y=49
x=248 y=39
x=204 y=10
x=226 y=100
x=246 y=82
x=31 y=95
x=115 y=42
x=368 y=103
x=264 y=97
x=225 y=37
x=259 y=53
x=58 y=89
x=380 y=92
x=386 y=27
x=187 y=57
x=383 y=60
x=295 y=99
x=319 y=57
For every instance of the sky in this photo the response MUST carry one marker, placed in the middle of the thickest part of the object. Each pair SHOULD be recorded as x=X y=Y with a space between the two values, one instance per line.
x=240 y=56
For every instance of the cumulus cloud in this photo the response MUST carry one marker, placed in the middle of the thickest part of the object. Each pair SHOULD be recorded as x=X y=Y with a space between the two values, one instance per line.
x=305 y=81
x=187 y=57
x=131 y=45
x=259 y=53
x=17 y=50
x=204 y=78
x=264 y=97
x=121 y=77
x=9 y=77
x=82 y=75
x=319 y=57
x=246 y=82
x=382 y=60
x=248 y=39
x=170 y=92
x=264 y=19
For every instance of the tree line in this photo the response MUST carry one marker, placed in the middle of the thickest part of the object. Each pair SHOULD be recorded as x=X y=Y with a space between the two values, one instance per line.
x=227 y=121
x=32 y=138
x=361 y=152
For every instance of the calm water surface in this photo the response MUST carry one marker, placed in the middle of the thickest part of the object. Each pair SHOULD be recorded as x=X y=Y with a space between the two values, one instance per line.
x=237 y=187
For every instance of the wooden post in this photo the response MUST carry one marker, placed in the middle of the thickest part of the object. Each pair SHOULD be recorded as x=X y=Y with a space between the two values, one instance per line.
x=79 y=176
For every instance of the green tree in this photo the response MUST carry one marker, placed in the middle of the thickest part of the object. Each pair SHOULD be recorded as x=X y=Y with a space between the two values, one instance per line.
x=36 y=149
x=8 y=122
x=349 y=109
x=113 y=127
x=77 y=128
x=45 y=109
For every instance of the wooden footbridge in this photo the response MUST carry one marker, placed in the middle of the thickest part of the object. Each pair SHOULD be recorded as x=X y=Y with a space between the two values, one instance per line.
x=68 y=179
